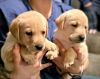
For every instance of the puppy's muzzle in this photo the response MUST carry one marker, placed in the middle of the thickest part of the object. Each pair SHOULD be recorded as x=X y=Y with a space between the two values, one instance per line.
x=81 y=38
x=77 y=38
x=39 y=47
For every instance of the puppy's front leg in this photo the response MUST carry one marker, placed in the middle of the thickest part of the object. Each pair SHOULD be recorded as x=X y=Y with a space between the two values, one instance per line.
x=52 y=50
x=70 y=56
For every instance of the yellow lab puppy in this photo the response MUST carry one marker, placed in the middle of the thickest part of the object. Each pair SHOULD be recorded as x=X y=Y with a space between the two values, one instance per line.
x=71 y=33
x=29 y=30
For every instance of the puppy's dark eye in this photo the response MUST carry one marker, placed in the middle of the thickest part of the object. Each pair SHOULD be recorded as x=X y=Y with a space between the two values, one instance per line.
x=85 y=27
x=43 y=32
x=29 y=33
x=74 y=25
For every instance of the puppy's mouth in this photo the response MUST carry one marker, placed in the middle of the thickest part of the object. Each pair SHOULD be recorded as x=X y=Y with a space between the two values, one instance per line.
x=35 y=48
x=77 y=39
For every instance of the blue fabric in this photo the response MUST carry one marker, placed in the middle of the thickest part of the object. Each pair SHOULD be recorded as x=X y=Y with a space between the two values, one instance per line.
x=2 y=0
x=12 y=8
x=96 y=6
x=89 y=11
x=90 y=77
x=91 y=17
x=68 y=2
x=9 y=9
x=59 y=0
x=56 y=11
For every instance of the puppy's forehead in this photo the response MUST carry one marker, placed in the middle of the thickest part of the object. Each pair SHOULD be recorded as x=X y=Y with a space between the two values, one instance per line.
x=77 y=15
x=38 y=22
x=32 y=18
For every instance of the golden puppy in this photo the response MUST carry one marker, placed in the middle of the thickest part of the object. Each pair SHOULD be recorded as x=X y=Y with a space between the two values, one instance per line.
x=71 y=33
x=29 y=30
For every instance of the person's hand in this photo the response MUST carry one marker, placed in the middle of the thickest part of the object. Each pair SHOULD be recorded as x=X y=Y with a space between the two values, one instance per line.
x=26 y=71
x=80 y=64
x=92 y=31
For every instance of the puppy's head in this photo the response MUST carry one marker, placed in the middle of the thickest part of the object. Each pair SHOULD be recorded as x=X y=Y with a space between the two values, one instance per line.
x=30 y=30
x=74 y=24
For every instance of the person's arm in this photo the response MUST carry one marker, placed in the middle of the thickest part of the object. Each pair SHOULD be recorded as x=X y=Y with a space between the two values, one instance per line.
x=26 y=71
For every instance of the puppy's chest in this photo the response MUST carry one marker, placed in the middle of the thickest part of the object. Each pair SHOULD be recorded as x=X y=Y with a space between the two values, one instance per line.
x=66 y=44
x=27 y=56
x=63 y=40
x=25 y=51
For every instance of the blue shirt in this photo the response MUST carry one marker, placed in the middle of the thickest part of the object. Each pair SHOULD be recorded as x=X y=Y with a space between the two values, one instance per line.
x=68 y=2
x=12 y=8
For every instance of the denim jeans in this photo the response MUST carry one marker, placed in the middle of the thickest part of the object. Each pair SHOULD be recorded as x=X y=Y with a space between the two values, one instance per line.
x=91 y=17
x=96 y=8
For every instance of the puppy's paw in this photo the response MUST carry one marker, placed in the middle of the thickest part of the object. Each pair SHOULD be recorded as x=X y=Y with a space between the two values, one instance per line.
x=51 y=55
x=68 y=64
x=52 y=50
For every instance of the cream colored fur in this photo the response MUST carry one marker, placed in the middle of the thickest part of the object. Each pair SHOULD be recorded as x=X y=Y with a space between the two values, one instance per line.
x=71 y=32
x=29 y=30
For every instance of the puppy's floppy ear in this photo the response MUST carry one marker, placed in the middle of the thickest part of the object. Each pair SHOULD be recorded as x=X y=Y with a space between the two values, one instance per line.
x=60 y=21
x=14 y=28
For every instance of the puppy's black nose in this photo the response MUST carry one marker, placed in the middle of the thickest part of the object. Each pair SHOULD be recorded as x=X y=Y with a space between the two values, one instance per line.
x=81 y=38
x=39 y=47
